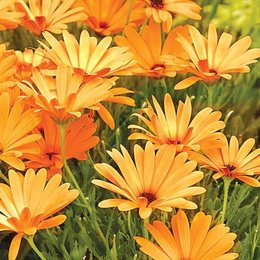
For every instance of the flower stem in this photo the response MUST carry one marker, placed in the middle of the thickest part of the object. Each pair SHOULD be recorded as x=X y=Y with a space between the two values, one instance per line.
x=34 y=247
x=76 y=185
x=210 y=95
x=131 y=2
x=227 y=182
x=68 y=170
x=3 y=177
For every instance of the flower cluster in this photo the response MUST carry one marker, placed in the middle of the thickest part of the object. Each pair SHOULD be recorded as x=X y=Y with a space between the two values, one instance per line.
x=51 y=99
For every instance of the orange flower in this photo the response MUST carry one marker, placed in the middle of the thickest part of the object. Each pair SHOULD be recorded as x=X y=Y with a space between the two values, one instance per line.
x=48 y=15
x=78 y=139
x=175 y=128
x=212 y=58
x=162 y=10
x=110 y=16
x=159 y=180
x=66 y=95
x=86 y=56
x=232 y=161
x=152 y=55
x=27 y=60
x=9 y=19
x=15 y=126
x=7 y=67
x=28 y=204
x=197 y=242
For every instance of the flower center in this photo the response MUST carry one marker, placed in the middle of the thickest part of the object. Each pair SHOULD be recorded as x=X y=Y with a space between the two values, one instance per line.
x=157 y=4
x=149 y=196
x=103 y=25
x=171 y=141
x=50 y=155
x=228 y=170
x=158 y=67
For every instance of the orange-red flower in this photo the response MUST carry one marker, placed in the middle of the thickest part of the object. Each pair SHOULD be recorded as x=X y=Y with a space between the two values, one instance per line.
x=15 y=127
x=49 y=15
x=78 y=139
x=174 y=128
x=88 y=57
x=27 y=205
x=231 y=161
x=211 y=58
x=198 y=242
x=9 y=19
x=110 y=16
x=151 y=54
x=162 y=10
x=66 y=95
x=156 y=180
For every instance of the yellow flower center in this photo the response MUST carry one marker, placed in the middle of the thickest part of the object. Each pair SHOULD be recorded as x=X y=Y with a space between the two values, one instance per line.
x=149 y=196
x=157 y=4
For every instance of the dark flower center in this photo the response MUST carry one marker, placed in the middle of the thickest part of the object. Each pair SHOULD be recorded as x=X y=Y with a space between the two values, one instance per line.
x=103 y=25
x=50 y=155
x=157 y=4
x=149 y=196
x=228 y=170
x=160 y=66
x=231 y=167
x=213 y=71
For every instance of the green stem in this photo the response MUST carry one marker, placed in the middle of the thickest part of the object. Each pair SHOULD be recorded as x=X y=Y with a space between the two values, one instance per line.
x=76 y=185
x=34 y=247
x=3 y=177
x=164 y=85
x=131 y=2
x=145 y=230
x=227 y=182
x=210 y=95
x=68 y=170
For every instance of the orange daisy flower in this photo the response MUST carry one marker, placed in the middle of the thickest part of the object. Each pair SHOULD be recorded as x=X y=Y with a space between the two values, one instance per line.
x=174 y=128
x=162 y=10
x=15 y=127
x=232 y=161
x=66 y=95
x=152 y=55
x=9 y=19
x=27 y=60
x=78 y=139
x=8 y=61
x=110 y=16
x=48 y=15
x=27 y=205
x=198 y=242
x=159 y=180
x=212 y=58
x=87 y=56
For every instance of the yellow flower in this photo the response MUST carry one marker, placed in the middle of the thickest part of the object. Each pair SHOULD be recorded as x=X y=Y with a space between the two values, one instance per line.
x=88 y=57
x=162 y=10
x=8 y=61
x=15 y=127
x=156 y=180
x=27 y=60
x=66 y=95
x=49 y=15
x=174 y=128
x=110 y=16
x=154 y=58
x=211 y=58
x=197 y=242
x=27 y=205
x=231 y=161
x=9 y=19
